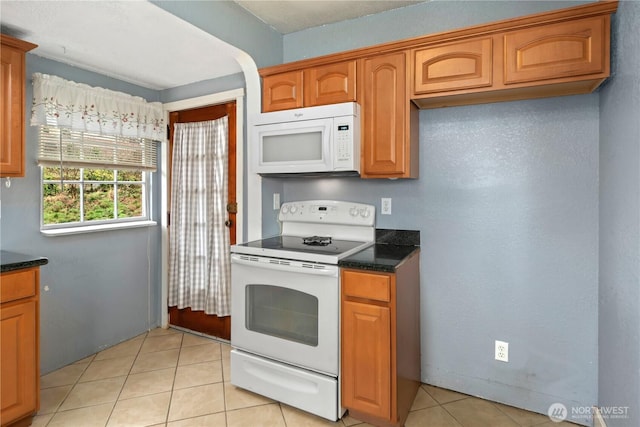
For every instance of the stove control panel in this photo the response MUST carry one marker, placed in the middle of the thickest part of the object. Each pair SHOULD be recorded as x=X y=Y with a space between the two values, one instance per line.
x=328 y=211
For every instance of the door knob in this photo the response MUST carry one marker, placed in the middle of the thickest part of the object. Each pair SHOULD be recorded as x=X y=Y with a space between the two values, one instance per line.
x=228 y=223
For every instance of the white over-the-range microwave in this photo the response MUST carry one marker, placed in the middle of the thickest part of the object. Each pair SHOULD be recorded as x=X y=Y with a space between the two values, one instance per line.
x=311 y=141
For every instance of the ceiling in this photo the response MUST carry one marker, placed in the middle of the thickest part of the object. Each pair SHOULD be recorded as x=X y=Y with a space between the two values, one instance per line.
x=288 y=16
x=123 y=46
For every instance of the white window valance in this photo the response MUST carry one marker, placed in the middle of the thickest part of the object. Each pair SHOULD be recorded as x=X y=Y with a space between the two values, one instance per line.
x=80 y=107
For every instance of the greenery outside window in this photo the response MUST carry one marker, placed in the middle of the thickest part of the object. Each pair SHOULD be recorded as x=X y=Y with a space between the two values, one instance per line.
x=89 y=179
x=92 y=195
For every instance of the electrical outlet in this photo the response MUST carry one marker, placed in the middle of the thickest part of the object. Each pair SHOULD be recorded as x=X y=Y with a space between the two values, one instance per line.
x=276 y=201
x=502 y=351
x=385 y=204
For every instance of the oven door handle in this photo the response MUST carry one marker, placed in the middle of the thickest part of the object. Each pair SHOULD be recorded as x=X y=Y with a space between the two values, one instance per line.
x=299 y=267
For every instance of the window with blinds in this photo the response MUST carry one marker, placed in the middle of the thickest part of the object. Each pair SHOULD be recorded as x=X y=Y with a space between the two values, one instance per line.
x=81 y=149
x=90 y=179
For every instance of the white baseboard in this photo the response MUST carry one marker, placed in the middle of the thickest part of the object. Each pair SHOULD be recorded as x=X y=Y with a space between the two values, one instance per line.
x=598 y=421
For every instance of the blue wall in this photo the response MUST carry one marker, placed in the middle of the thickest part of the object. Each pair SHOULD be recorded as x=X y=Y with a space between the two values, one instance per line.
x=619 y=322
x=507 y=207
x=104 y=286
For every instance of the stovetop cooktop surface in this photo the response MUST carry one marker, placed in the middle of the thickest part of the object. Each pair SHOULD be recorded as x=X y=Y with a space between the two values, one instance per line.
x=296 y=244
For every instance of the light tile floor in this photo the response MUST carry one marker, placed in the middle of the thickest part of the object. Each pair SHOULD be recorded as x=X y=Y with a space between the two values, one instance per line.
x=174 y=379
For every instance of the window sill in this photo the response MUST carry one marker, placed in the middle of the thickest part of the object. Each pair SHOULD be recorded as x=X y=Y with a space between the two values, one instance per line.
x=94 y=228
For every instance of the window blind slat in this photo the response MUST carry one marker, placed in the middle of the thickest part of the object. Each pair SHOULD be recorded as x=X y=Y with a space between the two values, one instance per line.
x=81 y=149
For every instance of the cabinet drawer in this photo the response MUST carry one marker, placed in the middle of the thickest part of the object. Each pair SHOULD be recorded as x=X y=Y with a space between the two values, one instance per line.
x=17 y=284
x=366 y=285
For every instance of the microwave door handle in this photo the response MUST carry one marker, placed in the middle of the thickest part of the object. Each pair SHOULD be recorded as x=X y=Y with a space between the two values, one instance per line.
x=328 y=147
x=284 y=267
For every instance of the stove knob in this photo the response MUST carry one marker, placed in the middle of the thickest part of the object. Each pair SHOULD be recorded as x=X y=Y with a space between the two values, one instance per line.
x=293 y=209
x=353 y=211
x=364 y=213
x=285 y=209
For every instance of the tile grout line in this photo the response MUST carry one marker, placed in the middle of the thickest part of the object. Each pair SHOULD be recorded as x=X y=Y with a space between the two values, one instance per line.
x=199 y=334
x=442 y=405
x=495 y=404
x=453 y=416
x=175 y=373
x=57 y=409
x=146 y=335
x=224 y=380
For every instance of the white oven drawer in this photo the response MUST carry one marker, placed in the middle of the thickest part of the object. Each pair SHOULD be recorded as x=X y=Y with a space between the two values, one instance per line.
x=297 y=387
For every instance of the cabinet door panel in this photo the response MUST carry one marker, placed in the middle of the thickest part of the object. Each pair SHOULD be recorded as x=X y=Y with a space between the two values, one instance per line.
x=11 y=112
x=384 y=148
x=366 y=360
x=282 y=91
x=330 y=84
x=555 y=51
x=18 y=360
x=453 y=66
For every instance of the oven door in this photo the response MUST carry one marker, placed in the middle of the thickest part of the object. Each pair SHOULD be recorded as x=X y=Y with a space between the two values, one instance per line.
x=286 y=310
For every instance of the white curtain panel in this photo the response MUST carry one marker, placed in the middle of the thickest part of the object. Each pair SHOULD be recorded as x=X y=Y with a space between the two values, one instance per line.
x=199 y=265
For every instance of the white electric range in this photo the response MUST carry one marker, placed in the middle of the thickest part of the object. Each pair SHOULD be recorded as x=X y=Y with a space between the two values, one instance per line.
x=285 y=293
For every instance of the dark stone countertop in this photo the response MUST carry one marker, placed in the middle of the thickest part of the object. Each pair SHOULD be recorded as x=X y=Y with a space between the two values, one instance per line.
x=392 y=247
x=10 y=261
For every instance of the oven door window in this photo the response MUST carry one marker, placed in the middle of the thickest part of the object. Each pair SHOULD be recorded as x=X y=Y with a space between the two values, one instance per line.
x=281 y=312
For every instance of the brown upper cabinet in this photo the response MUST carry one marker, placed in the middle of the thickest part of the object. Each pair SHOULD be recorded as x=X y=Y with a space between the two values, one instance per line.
x=330 y=84
x=282 y=91
x=12 y=105
x=555 y=57
x=560 y=52
x=389 y=147
x=325 y=84
x=453 y=66
x=568 y=49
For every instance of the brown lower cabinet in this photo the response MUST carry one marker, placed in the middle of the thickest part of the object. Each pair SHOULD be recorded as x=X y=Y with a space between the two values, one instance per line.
x=381 y=342
x=19 y=346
